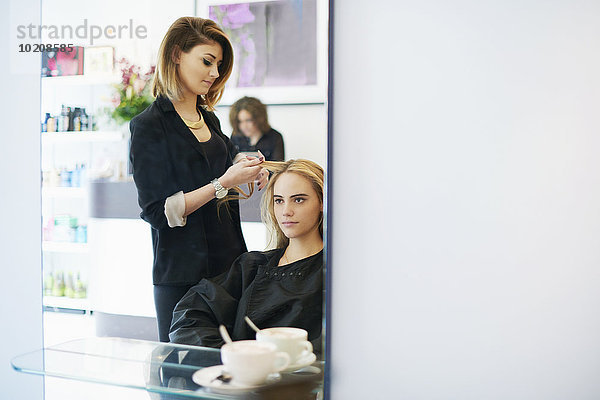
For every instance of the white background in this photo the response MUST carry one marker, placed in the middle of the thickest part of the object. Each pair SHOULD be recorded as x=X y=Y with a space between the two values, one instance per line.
x=466 y=209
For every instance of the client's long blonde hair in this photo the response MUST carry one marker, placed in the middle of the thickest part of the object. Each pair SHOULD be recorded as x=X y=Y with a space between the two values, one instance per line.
x=309 y=170
x=306 y=169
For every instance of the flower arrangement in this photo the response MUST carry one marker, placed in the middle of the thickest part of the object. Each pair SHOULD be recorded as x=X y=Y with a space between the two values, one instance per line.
x=132 y=94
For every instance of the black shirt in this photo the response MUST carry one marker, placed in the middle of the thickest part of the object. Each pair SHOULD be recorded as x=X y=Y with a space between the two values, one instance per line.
x=270 y=295
x=270 y=145
x=221 y=232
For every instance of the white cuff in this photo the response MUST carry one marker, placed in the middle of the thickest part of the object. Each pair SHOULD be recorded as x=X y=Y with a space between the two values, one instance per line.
x=174 y=209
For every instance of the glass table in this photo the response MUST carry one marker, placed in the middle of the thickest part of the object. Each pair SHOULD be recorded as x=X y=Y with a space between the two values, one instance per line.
x=164 y=370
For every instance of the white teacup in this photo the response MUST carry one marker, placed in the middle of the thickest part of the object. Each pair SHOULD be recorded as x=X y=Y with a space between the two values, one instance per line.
x=250 y=361
x=293 y=341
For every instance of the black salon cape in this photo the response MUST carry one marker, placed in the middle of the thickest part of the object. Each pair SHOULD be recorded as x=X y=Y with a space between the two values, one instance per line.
x=290 y=295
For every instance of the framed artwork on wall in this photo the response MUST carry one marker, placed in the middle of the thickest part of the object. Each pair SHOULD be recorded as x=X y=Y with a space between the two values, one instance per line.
x=63 y=63
x=99 y=60
x=280 y=48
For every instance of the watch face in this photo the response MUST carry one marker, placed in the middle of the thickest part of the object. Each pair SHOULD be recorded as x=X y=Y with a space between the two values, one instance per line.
x=221 y=193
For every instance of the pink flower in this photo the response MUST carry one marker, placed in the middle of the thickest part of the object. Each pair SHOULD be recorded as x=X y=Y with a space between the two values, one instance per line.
x=138 y=85
x=116 y=99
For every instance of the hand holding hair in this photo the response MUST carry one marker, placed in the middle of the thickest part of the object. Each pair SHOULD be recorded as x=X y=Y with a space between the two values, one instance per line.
x=244 y=171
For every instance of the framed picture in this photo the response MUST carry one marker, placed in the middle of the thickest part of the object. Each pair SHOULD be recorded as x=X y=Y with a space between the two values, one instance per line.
x=99 y=60
x=63 y=63
x=280 y=48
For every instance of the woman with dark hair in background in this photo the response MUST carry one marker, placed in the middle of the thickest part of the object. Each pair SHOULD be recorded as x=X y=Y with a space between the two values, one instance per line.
x=181 y=161
x=251 y=129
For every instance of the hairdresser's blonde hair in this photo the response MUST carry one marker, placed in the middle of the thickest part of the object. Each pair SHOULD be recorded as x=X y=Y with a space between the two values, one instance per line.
x=183 y=35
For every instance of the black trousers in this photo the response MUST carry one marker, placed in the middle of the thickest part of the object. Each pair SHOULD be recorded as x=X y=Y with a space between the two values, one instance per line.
x=165 y=299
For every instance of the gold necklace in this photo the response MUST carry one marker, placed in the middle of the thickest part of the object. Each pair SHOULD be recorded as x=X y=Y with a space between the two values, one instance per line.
x=193 y=124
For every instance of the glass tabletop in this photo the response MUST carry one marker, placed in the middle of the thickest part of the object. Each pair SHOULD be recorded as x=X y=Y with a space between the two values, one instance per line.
x=159 y=368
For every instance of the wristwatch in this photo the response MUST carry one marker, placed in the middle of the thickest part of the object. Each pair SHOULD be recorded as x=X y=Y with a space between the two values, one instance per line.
x=220 y=191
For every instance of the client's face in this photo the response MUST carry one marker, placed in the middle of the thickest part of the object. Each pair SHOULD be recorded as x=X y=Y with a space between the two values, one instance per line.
x=297 y=206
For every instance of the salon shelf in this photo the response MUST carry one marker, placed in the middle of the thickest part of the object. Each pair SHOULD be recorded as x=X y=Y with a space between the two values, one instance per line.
x=83 y=80
x=67 y=303
x=81 y=136
x=64 y=192
x=65 y=247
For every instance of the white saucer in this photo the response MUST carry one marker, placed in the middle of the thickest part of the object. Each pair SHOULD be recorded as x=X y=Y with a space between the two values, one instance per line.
x=301 y=363
x=205 y=377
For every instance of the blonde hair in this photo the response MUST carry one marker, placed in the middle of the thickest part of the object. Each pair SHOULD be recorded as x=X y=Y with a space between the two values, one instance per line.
x=183 y=35
x=307 y=169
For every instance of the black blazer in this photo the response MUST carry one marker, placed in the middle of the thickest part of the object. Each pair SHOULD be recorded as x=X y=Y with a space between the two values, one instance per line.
x=167 y=158
x=270 y=145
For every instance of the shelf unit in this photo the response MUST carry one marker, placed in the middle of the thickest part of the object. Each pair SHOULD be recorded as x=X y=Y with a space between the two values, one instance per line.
x=81 y=136
x=67 y=303
x=95 y=149
x=83 y=80
x=64 y=192
x=65 y=247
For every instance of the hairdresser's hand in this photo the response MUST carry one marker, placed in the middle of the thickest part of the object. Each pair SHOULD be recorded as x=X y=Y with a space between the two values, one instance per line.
x=262 y=179
x=244 y=171
x=263 y=176
x=260 y=156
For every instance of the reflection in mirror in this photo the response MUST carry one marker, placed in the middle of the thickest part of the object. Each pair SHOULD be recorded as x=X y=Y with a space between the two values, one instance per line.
x=97 y=253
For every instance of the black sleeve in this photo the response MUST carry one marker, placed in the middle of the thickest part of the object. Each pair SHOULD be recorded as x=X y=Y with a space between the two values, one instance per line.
x=152 y=170
x=278 y=150
x=210 y=303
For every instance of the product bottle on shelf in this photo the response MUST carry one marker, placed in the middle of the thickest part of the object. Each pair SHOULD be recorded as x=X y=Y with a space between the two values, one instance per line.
x=81 y=234
x=69 y=119
x=82 y=175
x=75 y=176
x=58 y=287
x=51 y=124
x=80 y=289
x=45 y=123
x=65 y=177
x=63 y=124
x=69 y=286
x=84 y=120
x=77 y=119
x=48 y=284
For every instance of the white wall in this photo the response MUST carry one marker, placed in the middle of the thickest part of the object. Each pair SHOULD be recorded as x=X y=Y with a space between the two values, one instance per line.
x=466 y=223
x=20 y=265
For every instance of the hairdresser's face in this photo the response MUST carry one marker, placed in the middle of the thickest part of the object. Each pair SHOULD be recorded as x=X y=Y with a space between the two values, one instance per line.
x=246 y=124
x=297 y=206
x=198 y=69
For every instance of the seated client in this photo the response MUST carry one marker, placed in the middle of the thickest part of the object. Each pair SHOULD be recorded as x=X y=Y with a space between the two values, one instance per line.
x=281 y=287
